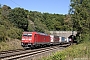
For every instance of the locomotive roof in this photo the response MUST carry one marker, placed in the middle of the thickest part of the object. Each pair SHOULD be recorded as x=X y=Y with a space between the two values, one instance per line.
x=41 y=33
x=37 y=33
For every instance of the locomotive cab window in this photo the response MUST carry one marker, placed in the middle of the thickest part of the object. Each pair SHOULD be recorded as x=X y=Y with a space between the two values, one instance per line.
x=30 y=35
x=24 y=34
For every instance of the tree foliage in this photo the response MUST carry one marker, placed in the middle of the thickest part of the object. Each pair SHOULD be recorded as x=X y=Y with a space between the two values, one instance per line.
x=80 y=15
x=18 y=16
x=7 y=29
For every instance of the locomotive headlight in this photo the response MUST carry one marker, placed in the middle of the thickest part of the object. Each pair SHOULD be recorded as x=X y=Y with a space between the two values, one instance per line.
x=29 y=39
x=23 y=39
x=21 y=43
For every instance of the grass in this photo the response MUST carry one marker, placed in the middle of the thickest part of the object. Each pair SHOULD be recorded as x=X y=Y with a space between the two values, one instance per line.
x=74 y=52
x=10 y=45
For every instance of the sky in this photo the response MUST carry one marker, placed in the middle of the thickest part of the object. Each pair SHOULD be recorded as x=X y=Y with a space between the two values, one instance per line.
x=44 y=6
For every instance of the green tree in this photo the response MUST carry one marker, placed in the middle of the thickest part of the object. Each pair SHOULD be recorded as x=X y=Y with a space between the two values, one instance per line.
x=7 y=29
x=80 y=16
x=18 y=16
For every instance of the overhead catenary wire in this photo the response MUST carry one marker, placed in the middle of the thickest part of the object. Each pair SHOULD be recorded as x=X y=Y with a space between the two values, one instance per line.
x=15 y=3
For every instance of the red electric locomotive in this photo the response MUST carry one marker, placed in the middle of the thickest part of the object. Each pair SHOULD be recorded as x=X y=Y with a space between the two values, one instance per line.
x=34 y=39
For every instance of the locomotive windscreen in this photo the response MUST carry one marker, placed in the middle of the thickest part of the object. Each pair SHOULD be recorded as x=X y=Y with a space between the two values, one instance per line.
x=30 y=35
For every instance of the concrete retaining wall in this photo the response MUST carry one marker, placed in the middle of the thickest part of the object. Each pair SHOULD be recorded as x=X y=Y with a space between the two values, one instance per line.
x=63 y=33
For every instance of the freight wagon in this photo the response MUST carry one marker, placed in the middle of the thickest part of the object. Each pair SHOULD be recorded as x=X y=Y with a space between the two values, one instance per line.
x=54 y=40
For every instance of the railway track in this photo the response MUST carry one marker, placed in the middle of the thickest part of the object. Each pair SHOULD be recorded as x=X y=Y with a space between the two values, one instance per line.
x=22 y=54
x=10 y=51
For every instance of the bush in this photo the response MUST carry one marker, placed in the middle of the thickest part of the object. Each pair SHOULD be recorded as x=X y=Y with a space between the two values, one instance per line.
x=75 y=51
x=14 y=33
